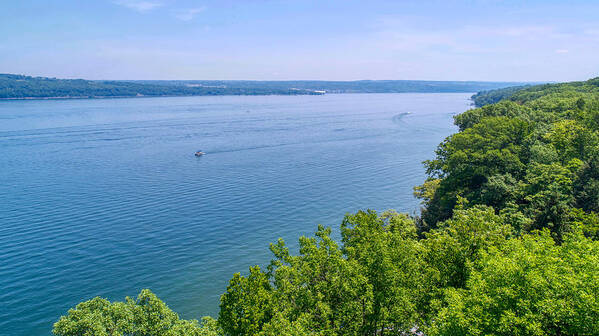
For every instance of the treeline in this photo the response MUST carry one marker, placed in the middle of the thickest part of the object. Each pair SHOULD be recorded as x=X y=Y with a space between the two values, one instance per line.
x=18 y=87
x=506 y=244
x=487 y=97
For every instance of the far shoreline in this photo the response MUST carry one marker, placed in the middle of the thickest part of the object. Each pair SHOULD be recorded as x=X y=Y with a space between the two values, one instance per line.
x=219 y=95
x=158 y=96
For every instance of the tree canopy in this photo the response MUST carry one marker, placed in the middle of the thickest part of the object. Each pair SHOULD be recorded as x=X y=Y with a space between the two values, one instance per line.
x=145 y=316
x=533 y=155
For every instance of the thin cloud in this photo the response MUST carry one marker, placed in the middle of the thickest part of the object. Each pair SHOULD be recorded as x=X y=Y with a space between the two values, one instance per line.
x=140 y=6
x=562 y=51
x=188 y=14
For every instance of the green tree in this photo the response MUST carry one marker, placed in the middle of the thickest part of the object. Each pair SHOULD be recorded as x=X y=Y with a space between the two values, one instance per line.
x=459 y=241
x=388 y=253
x=247 y=304
x=321 y=283
x=145 y=316
x=466 y=160
x=528 y=286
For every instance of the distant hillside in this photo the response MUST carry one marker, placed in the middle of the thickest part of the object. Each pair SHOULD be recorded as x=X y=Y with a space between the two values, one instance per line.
x=21 y=87
x=360 y=86
x=24 y=87
x=487 y=97
x=524 y=93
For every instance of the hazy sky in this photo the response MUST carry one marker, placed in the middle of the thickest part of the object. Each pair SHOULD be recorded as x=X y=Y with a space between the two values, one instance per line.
x=498 y=40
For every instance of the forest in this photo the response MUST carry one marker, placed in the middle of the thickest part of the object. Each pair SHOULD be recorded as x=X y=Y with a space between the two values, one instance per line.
x=20 y=87
x=487 y=97
x=506 y=243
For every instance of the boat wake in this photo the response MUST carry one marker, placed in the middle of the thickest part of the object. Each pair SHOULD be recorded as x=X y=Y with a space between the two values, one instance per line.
x=398 y=118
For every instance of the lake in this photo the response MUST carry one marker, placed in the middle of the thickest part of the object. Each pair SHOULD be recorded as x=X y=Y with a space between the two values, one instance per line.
x=105 y=197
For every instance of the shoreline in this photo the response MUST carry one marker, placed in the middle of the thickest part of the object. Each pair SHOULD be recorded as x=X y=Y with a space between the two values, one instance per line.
x=219 y=95
x=152 y=96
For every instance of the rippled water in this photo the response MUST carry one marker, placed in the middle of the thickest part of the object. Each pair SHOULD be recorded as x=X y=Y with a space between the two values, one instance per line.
x=105 y=197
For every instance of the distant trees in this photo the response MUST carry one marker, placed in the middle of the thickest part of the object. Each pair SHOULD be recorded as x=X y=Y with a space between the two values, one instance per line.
x=493 y=96
x=17 y=86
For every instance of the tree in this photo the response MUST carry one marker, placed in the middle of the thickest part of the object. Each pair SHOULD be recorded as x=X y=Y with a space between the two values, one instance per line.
x=388 y=253
x=466 y=160
x=247 y=304
x=459 y=241
x=145 y=316
x=320 y=285
x=549 y=195
x=528 y=286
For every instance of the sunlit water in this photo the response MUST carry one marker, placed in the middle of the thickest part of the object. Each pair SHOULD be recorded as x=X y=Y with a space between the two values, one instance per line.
x=105 y=197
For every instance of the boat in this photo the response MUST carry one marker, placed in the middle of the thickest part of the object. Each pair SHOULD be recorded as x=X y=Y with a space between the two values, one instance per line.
x=199 y=153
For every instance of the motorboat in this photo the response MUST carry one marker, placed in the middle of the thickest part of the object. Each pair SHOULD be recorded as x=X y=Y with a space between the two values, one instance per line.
x=199 y=153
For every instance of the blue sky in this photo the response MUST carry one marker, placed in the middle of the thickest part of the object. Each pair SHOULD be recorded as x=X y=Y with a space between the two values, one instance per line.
x=490 y=40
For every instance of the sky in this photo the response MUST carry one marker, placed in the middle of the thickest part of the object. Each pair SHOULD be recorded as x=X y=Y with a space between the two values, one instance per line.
x=489 y=40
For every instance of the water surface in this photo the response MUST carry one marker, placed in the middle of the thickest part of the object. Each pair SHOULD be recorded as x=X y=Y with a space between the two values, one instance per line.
x=105 y=197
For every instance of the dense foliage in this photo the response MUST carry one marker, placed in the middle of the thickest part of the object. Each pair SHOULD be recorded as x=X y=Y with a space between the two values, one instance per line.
x=146 y=315
x=17 y=86
x=534 y=156
x=487 y=97
x=471 y=276
x=506 y=245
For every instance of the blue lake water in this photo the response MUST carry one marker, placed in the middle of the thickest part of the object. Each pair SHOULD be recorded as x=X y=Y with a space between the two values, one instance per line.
x=105 y=197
